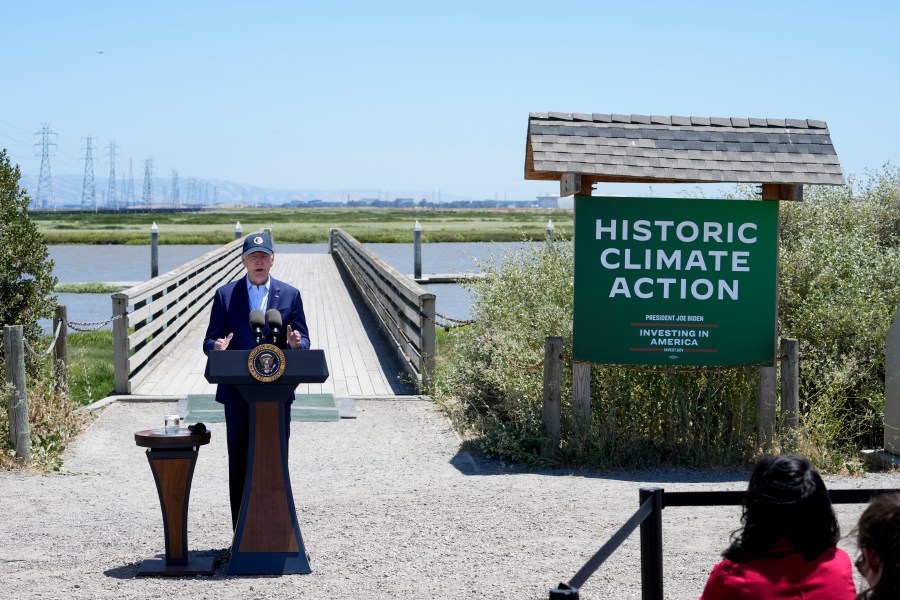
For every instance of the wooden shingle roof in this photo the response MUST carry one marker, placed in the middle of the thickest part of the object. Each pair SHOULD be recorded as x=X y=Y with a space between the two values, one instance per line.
x=639 y=148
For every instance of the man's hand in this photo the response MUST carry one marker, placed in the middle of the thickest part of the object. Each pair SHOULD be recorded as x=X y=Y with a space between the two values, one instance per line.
x=294 y=338
x=222 y=343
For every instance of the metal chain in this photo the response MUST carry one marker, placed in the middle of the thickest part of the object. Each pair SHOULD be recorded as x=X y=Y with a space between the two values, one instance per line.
x=665 y=368
x=531 y=368
x=694 y=369
x=81 y=326
x=46 y=352
x=85 y=327
x=448 y=326
x=463 y=321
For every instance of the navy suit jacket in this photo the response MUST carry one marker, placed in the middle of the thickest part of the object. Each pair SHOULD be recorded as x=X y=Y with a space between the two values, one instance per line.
x=231 y=314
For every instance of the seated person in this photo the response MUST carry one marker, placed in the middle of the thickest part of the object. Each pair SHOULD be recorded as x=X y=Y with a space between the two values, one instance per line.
x=787 y=545
x=878 y=539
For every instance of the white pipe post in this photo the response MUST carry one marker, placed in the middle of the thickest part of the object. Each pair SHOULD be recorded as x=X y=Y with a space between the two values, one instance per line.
x=417 y=251
x=154 y=250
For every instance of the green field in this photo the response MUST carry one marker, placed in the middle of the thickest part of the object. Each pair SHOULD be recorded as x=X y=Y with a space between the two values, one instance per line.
x=305 y=225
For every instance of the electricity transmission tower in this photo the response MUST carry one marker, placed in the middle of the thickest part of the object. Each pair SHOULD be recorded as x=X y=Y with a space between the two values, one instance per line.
x=174 y=174
x=147 y=199
x=112 y=201
x=45 y=186
x=88 y=194
x=129 y=195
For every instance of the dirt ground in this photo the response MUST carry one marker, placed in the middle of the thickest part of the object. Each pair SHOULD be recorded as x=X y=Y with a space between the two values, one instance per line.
x=388 y=508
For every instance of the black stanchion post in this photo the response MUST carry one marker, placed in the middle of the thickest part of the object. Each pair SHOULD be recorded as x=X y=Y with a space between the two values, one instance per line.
x=651 y=546
x=564 y=592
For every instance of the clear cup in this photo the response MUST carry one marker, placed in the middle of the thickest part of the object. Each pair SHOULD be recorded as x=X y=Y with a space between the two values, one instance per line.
x=172 y=423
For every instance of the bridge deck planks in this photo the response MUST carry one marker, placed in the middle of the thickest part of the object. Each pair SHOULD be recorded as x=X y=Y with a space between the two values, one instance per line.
x=360 y=361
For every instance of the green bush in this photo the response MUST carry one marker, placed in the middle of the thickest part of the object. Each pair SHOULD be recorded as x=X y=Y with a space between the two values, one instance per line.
x=486 y=380
x=26 y=271
x=840 y=267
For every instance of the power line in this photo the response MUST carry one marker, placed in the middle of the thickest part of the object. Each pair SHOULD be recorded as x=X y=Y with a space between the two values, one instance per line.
x=45 y=185
x=88 y=194
x=111 y=199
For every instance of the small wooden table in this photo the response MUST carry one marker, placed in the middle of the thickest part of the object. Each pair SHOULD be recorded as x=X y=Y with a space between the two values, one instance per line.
x=172 y=457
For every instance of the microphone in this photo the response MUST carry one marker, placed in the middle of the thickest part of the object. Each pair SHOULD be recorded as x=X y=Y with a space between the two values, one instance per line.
x=273 y=320
x=256 y=324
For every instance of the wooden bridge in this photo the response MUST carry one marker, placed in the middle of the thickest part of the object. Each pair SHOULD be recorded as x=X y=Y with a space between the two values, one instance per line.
x=375 y=324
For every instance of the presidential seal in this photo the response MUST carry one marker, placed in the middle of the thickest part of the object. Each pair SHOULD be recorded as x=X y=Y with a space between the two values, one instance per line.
x=266 y=363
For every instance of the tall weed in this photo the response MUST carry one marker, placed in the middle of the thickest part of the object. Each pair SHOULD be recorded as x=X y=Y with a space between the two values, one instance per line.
x=53 y=424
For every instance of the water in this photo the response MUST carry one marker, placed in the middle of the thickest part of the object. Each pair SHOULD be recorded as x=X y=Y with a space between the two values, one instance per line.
x=85 y=263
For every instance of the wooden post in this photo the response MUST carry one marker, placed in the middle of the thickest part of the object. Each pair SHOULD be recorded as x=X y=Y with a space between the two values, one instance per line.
x=892 y=386
x=120 y=343
x=238 y=230
x=768 y=398
x=154 y=250
x=14 y=355
x=767 y=407
x=581 y=372
x=417 y=251
x=553 y=349
x=790 y=384
x=581 y=397
x=428 y=339
x=61 y=350
x=331 y=241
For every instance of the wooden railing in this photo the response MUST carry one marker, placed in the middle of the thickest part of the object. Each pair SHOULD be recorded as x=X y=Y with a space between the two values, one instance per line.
x=150 y=315
x=403 y=309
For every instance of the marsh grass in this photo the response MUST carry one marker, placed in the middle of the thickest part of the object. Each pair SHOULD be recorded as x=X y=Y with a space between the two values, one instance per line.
x=92 y=287
x=305 y=226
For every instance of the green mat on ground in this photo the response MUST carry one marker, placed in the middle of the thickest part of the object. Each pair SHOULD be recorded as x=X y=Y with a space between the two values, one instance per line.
x=203 y=408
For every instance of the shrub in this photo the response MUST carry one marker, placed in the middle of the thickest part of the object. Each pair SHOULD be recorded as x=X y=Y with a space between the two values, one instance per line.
x=840 y=267
x=26 y=272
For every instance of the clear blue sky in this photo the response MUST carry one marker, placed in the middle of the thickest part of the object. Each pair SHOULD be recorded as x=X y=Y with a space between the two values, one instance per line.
x=424 y=95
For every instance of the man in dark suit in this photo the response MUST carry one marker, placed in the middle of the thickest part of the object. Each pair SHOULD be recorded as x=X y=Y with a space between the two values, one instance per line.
x=229 y=328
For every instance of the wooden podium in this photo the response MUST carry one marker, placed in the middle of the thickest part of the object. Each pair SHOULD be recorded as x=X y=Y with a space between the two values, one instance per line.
x=172 y=457
x=267 y=540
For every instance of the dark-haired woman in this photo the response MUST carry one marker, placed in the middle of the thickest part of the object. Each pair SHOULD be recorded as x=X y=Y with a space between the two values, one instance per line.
x=878 y=539
x=787 y=545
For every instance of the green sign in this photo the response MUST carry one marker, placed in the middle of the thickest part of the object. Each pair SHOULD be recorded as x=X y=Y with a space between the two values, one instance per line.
x=674 y=281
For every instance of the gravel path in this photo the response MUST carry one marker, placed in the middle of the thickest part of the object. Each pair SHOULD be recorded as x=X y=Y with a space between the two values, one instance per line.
x=388 y=508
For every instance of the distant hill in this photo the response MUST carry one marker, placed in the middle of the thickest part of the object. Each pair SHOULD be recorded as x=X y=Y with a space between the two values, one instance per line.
x=67 y=190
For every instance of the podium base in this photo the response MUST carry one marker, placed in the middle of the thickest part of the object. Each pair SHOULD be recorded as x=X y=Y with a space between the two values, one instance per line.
x=268 y=563
x=196 y=565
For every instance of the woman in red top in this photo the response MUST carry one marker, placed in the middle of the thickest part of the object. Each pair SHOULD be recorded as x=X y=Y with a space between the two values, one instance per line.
x=787 y=545
x=878 y=538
